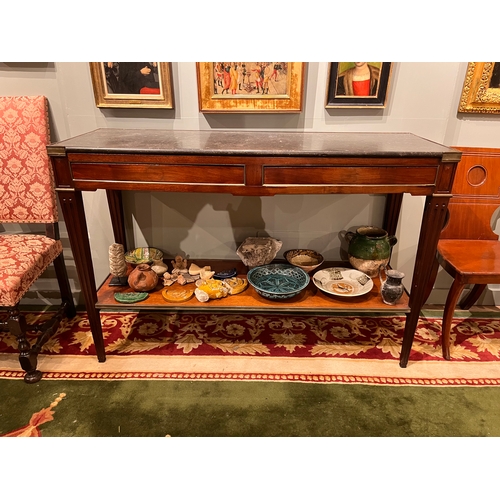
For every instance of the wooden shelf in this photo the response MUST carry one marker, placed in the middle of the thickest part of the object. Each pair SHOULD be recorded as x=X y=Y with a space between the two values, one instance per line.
x=310 y=300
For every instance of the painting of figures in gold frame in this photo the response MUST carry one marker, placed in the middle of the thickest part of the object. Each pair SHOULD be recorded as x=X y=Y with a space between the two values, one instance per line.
x=250 y=87
x=132 y=84
x=481 y=90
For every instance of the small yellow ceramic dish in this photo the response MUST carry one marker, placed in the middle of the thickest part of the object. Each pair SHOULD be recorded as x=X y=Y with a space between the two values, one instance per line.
x=176 y=295
x=236 y=285
x=214 y=288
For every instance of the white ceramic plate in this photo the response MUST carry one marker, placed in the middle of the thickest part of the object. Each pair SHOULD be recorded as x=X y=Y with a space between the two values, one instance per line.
x=343 y=282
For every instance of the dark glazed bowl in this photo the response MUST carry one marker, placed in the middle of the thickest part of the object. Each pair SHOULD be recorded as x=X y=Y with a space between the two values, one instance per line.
x=278 y=281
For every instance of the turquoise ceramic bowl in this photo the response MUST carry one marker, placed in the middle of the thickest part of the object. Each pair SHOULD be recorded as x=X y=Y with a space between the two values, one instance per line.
x=278 y=281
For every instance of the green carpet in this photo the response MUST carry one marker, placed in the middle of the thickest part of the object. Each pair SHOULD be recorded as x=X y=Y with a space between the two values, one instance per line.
x=244 y=409
x=242 y=468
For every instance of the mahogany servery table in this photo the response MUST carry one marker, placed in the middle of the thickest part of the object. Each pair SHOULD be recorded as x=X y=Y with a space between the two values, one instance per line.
x=258 y=164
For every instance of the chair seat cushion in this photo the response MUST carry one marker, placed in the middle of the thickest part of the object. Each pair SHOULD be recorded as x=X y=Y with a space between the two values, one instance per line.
x=476 y=261
x=23 y=258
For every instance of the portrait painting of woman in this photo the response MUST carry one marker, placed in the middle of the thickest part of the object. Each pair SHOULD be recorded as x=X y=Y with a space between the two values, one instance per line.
x=359 y=80
x=358 y=84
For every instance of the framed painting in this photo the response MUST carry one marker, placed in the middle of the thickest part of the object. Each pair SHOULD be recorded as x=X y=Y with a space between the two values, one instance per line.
x=481 y=90
x=132 y=84
x=358 y=84
x=250 y=87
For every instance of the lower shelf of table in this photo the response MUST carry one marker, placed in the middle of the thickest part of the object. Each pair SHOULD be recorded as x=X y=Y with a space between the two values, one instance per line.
x=310 y=300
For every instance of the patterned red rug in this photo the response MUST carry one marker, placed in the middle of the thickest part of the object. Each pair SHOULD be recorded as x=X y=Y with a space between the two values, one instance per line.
x=266 y=347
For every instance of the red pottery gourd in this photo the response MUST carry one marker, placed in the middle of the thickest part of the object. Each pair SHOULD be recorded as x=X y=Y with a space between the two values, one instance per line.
x=142 y=278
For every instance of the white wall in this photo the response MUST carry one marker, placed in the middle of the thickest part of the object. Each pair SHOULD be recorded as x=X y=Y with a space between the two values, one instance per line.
x=423 y=99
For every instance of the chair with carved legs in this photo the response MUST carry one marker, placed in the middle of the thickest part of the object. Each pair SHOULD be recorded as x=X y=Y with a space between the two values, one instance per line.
x=27 y=200
x=468 y=248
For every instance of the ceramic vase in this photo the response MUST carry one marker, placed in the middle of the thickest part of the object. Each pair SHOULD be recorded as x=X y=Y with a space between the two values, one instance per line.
x=391 y=288
x=142 y=278
x=369 y=248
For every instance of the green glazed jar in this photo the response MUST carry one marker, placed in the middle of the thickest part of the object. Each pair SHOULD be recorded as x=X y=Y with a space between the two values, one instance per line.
x=369 y=248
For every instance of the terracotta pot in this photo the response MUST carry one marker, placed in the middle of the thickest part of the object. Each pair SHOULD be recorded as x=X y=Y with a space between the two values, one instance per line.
x=142 y=278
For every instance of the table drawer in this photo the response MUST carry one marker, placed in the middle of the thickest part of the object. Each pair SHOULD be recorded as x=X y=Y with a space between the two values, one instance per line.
x=164 y=173
x=349 y=175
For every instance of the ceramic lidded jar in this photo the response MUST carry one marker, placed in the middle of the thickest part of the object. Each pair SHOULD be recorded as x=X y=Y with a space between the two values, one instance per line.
x=369 y=248
x=142 y=278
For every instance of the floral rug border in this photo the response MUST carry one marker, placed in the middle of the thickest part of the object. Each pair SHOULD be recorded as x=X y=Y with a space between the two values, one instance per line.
x=266 y=347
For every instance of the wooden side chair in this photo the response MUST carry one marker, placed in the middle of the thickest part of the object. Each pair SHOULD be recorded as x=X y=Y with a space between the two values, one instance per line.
x=468 y=248
x=27 y=196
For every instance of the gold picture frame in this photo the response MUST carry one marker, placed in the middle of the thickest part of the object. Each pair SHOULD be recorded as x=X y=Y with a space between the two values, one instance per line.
x=481 y=90
x=132 y=85
x=250 y=87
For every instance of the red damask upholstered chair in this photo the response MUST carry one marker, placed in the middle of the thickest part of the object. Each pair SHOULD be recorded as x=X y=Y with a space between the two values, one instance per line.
x=27 y=196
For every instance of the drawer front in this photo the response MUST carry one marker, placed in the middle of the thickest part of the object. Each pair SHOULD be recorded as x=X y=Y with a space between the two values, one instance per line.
x=163 y=174
x=135 y=170
x=349 y=175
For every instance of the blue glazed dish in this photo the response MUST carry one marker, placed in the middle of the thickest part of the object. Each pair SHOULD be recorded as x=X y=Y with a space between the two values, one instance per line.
x=278 y=281
x=227 y=273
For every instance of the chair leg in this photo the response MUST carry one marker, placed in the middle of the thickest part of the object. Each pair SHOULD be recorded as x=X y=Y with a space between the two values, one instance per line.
x=67 y=308
x=27 y=357
x=471 y=298
x=16 y=323
x=449 y=308
x=64 y=286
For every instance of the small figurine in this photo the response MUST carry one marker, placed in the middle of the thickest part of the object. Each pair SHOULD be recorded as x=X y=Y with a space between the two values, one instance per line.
x=179 y=264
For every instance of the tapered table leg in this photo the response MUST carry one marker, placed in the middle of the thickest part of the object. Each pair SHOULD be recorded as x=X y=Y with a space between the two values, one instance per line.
x=393 y=204
x=115 y=205
x=71 y=202
x=432 y=223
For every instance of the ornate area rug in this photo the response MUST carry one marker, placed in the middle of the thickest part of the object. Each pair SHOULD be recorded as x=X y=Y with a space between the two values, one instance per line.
x=32 y=428
x=269 y=347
